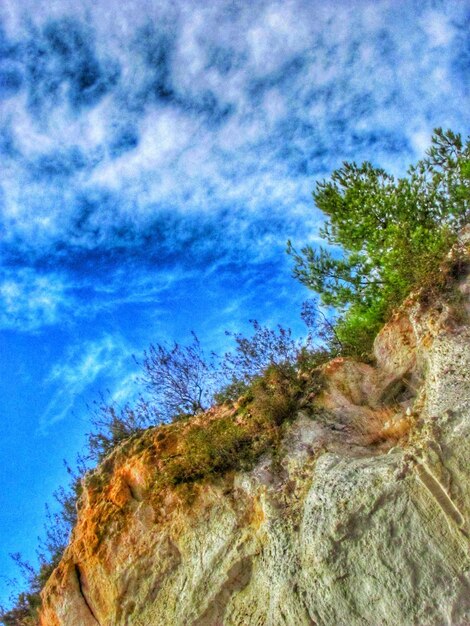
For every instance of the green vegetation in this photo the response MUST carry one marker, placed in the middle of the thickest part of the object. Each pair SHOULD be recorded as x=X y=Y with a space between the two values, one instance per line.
x=386 y=235
x=212 y=449
x=226 y=439
x=180 y=382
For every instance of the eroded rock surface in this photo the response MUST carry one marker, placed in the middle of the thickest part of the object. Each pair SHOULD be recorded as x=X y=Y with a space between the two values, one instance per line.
x=365 y=521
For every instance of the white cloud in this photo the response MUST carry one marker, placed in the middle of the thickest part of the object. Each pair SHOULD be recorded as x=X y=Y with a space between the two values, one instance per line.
x=30 y=301
x=304 y=85
x=420 y=141
x=438 y=28
x=105 y=359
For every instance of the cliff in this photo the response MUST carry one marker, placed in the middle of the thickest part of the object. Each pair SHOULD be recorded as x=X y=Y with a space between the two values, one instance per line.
x=362 y=517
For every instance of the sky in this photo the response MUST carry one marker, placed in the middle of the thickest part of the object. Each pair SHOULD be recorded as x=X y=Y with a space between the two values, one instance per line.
x=154 y=159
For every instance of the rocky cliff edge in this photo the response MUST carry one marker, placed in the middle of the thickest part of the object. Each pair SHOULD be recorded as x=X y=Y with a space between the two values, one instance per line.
x=363 y=518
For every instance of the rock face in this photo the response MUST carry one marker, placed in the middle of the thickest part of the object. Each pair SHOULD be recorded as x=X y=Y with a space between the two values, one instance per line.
x=365 y=520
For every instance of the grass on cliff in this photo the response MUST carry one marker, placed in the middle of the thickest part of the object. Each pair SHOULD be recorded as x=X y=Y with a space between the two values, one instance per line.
x=253 y=427
x=227 y=438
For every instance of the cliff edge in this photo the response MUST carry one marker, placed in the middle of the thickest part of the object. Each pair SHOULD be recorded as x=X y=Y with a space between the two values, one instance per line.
x=362 y=517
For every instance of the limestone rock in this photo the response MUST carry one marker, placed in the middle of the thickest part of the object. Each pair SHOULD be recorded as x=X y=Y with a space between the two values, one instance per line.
x=365 y=521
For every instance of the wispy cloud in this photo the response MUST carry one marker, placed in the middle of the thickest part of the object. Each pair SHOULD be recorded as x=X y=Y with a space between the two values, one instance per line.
x=107 y=359
x=150 y=132
x=29 y=300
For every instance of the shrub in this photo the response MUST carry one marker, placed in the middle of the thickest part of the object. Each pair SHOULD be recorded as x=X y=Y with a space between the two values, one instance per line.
x=179 y=379
x=266 y=348
x=112 y=424
x=215 y=448
x=274 y=396
x=235 y=442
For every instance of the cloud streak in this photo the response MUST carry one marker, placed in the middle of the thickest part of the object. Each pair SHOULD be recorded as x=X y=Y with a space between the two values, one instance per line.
x=82 y=367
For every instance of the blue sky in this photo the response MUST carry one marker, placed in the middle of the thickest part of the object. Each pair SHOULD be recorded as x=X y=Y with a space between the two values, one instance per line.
x=155 y=158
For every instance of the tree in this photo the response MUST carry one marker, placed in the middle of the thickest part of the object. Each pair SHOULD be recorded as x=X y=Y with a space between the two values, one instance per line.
x=385 y=234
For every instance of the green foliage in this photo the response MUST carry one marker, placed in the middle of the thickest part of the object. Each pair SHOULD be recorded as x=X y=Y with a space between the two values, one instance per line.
x=235 y=442
x=212 y=449
x=358 y=329
x=230 y=392
x=385 y=235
